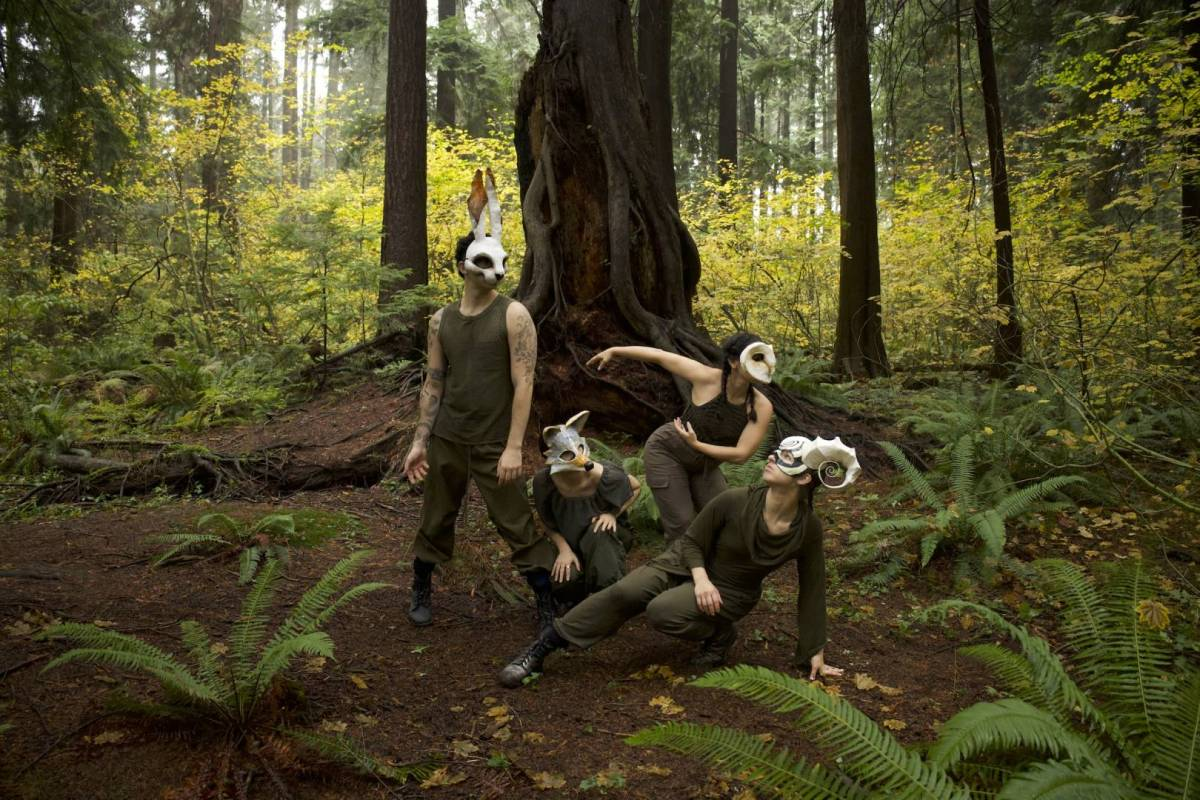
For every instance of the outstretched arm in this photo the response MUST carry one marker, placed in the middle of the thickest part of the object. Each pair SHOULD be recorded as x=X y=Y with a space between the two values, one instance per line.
x=748 y=442
x=522 y=354
x=689 y=369
x=415 y=465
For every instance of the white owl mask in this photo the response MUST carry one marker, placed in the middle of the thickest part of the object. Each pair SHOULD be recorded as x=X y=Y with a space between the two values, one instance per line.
x=485 y=256
x=758 y=359
x=830 y=458
x=566 y=449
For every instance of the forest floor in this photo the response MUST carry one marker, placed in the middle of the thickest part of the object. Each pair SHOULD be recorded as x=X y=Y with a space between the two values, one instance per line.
x=411 y=693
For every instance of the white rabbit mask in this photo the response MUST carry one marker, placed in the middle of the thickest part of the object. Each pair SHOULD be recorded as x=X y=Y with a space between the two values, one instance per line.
x=836 y=464
x=485 y=256
x=566 y=449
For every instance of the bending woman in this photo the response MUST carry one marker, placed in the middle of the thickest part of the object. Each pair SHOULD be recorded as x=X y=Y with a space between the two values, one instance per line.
x=710 y=578
x=726 y=420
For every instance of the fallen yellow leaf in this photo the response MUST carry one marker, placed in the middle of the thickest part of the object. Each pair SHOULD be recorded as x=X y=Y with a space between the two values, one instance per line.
x=653 y=769
x=533 y=738
x=461 y=747
x=497 y=711
x=547 y=780
x=357 y=681
x=895 y=724
x=443 y=777
x=1153 y=614
x=666 y=705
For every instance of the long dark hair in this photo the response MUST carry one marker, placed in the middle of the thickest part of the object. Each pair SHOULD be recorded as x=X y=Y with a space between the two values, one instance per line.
x=731 y=350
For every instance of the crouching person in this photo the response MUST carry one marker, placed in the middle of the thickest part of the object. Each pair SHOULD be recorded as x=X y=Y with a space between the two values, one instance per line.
x=581 y=503
x=708 y=579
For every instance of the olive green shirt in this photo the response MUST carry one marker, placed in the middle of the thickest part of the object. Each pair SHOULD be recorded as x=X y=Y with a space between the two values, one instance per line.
x=476 y=404
x=729 y=538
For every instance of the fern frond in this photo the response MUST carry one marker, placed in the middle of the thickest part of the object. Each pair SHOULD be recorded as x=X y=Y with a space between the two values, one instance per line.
x=916 y=480
x=122 y=703
x=989 y=527
x=185 y=544
x=1047 y=669
x=251 y=625
x=276 y=658
x=1086 y=621
x=1054 y=781
x=351 y=594
x=1173 y=749
x=174 y=677
x=248 y=564
x=344 y=750
x=281 y=526
x=962 y=472
x=1011 y=670
x=929 y=546
x=1131 y=672
x=306 y=615
x=768 y=768
x=867 y=752
x=196 y=640
x=220 y=522
x=1008 y=724
x=1018 y=502
x=891 y=525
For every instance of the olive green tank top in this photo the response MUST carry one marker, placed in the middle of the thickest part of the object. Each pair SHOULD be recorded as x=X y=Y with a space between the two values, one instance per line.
x=477 y=401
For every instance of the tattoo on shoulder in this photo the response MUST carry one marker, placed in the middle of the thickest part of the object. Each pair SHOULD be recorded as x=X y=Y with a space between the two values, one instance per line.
x=525 y=342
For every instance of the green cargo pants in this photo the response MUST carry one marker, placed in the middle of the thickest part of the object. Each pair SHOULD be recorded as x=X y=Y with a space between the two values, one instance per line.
x=450 y=466
x=602 y=555
x=668 y=600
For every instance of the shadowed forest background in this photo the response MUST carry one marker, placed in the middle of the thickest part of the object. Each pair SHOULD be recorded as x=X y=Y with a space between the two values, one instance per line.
x=970 y=229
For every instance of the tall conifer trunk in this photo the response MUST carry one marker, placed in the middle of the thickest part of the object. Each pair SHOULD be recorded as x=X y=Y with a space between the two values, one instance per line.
x=727 y=105
x=654 y=64
x=405 y=239
x=447 y=9
x=858 y=349
x=1007 y=345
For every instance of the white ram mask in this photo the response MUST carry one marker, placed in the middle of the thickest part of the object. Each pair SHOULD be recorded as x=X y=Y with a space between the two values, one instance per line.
x=485 y=256
x=830 y=458
x=566 y=449
x=758 y=359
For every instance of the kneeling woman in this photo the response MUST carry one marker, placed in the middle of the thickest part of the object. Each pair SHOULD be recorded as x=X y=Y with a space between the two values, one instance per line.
x=711 y=577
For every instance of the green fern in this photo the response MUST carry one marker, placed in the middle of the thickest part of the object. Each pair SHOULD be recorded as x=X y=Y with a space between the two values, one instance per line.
x=964 y=521
x=341 y=749
x=768 y=768
x=229 y=691
x=1051 y=741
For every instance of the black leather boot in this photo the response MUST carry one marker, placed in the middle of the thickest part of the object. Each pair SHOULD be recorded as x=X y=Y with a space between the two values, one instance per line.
x=420 y=610
x=543 y=593
x=715 y=648
x=529 y=662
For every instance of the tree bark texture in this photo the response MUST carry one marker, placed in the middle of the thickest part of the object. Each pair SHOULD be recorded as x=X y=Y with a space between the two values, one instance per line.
x=405 y=239
x=607 y=259
x=858 y=349
x=727 y=105
x=654 y=64
x=1007 y=345
x=1190 y=209
x=224 y=28
x=447 y=9
x=291 y=56
x=332 y=87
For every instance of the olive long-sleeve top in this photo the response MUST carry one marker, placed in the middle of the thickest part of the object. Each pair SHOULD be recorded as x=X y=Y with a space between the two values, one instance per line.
x=729 y=538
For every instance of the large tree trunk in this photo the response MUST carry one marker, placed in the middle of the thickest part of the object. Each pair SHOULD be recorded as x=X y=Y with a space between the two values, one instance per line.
x=858 y=350
x=64 y=230
x=654 y=64
x=447 y=9
x=1190 y=209
x=310 y=104
x=224 y=28
x=727 y=106
x=607 y=259
x=1007 y=345
x=813 y=74
x=332 y=87
x=291 y=55
x=405 y=242
x=14 y=124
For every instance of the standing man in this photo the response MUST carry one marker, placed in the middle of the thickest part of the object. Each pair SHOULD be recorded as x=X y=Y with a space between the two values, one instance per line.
x=474 y=409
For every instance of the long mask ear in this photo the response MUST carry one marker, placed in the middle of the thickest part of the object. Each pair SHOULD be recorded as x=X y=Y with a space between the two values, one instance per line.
x=493 y=204
x=475 y=203
x=549 y=432
x=578 y=421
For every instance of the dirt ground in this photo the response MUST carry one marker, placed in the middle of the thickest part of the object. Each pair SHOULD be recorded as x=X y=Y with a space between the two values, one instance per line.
x=409 y=693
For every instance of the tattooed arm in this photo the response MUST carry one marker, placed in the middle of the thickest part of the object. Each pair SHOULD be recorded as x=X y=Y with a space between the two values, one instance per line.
x=522 y=353
x=415 y=465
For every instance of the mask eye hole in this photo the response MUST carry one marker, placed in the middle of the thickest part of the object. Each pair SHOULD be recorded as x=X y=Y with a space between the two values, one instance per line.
x=483 y=262
x=567 y=455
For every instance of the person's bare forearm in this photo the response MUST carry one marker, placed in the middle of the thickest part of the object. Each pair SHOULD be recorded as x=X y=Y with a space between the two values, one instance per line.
x=731 y=455
x=431 y=401
x=524 y=360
